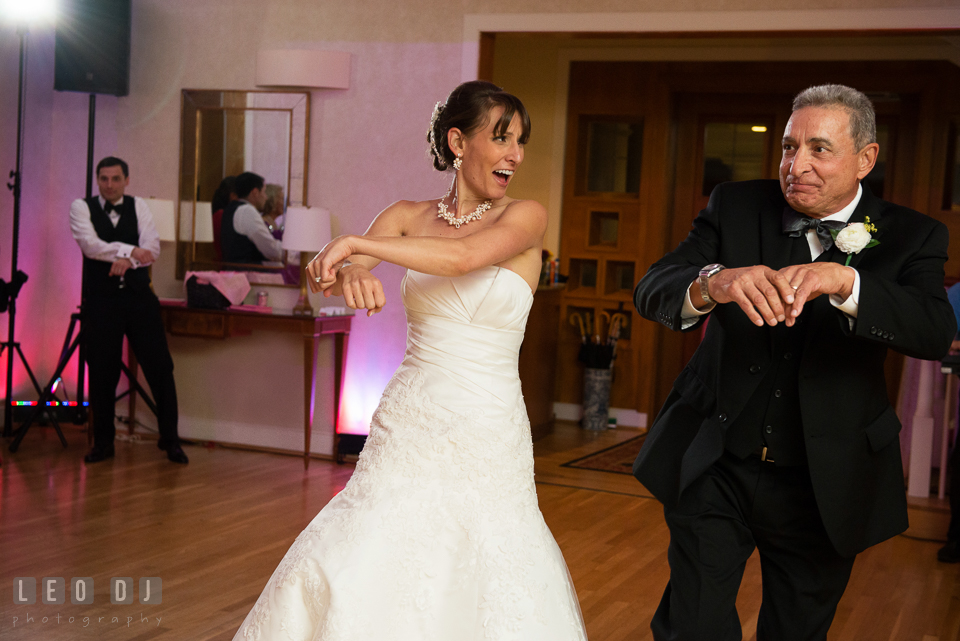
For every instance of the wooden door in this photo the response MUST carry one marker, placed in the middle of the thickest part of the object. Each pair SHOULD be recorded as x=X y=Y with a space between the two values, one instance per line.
x=614 y=172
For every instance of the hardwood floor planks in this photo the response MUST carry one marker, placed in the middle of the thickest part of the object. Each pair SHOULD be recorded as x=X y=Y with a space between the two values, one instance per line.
x=215 y=530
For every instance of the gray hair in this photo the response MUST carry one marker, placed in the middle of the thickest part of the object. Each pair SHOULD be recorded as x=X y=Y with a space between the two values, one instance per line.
x=863 y=120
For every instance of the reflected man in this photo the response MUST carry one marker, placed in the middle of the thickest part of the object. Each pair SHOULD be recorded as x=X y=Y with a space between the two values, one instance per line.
x=243 y=233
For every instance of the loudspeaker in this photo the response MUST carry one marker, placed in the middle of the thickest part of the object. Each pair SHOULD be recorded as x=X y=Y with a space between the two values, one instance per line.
x=92 y=47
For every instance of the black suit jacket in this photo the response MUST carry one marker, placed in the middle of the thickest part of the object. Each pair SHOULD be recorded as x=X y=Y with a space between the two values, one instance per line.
x=850 y=429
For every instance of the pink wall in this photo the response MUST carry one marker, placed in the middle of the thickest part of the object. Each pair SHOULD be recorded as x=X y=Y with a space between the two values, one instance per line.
x=367 y=149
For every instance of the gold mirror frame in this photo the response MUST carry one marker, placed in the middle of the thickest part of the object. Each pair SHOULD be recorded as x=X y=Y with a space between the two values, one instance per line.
x=232 y=122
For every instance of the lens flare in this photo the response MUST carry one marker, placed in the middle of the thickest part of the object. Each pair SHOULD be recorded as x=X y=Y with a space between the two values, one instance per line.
x=28 y=11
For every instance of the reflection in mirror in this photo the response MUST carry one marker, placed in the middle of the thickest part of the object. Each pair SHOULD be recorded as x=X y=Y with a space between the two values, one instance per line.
x=226 y=133
x=733 y=151
x=613 y=157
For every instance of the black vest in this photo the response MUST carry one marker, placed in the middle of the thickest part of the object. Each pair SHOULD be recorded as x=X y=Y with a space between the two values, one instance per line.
x=97 y=281
x=236 y=247
x=771 y=417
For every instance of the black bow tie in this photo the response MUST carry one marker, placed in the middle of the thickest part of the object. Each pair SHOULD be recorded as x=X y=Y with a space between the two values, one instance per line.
x=108 y=207
x=796 y=224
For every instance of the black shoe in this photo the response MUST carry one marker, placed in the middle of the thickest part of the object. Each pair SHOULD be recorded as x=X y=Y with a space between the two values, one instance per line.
x=97 y=454
x=949 y=553
x=176 y=455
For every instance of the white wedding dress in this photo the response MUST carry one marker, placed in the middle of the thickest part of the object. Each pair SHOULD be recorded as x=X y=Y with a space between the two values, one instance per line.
x=438 y=535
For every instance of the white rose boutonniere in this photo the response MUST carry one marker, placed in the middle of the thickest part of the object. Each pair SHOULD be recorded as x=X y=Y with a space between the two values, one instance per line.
x=854 y=238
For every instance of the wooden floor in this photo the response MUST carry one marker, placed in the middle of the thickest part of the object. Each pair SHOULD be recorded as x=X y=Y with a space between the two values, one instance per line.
x=214 y=531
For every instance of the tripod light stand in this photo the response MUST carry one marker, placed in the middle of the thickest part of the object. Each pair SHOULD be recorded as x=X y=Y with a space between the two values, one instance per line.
x=11 y=346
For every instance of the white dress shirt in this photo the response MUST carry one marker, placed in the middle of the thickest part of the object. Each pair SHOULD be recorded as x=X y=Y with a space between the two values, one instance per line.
x=248 y=221
x=96 y=248
x=850 y=306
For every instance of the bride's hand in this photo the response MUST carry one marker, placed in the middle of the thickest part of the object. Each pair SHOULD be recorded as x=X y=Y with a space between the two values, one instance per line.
x=322 y=270
x=360 y=289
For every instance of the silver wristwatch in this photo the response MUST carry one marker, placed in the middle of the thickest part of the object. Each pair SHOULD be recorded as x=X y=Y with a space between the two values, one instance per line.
x=704 y=277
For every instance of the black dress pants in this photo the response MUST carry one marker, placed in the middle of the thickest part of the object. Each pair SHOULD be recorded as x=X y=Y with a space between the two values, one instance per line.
x=734 y=507
x=136 y=315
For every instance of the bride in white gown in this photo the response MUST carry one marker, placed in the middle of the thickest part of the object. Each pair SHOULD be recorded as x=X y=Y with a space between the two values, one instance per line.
x=438 y=535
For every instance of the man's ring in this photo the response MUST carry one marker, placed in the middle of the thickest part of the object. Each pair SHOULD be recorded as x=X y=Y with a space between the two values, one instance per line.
x=317 y=280
x=794 y=286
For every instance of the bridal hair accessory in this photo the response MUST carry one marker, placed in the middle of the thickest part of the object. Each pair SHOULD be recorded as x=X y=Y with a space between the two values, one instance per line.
x=437 y=110
x=457 y=162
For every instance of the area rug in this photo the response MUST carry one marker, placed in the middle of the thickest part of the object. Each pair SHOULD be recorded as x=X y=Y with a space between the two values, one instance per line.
x=616 y=458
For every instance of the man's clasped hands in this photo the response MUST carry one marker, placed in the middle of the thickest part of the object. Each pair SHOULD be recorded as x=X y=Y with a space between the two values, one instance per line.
x=770 y=296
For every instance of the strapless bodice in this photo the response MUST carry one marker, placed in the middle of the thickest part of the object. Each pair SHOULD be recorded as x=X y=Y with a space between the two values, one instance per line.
x=464 y=335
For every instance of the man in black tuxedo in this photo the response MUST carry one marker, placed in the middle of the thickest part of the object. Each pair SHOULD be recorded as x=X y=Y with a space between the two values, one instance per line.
x=119 y=240
x=778 y=435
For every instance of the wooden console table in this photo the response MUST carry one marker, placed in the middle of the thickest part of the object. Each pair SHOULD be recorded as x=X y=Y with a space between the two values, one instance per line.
x=181 y=320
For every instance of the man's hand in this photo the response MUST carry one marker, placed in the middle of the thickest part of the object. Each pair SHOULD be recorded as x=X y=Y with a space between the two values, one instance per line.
x=810 y=280
x=142 y=255
x=360 y=289
x=762 y=293
x=120 y=267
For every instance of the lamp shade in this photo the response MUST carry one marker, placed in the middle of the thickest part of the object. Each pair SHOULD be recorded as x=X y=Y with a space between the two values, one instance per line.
x=303 y=68
x=204 y=224
x=306 y=229
x=202 y=218
x=164 y=217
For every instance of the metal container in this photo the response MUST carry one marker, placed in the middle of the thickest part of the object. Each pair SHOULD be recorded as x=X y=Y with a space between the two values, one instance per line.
x=596 y=398
x=262 y=299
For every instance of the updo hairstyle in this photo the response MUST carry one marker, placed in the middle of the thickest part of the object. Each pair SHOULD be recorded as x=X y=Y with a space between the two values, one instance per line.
x=467 y=109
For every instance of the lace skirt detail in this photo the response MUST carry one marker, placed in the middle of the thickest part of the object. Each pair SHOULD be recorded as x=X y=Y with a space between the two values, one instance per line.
x=437 y=536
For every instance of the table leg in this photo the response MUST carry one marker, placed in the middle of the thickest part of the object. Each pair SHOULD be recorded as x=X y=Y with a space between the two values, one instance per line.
x=339 y=365
x=309 y=392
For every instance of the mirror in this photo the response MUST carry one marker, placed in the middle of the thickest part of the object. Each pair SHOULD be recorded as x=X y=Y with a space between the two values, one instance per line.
x=225 y=133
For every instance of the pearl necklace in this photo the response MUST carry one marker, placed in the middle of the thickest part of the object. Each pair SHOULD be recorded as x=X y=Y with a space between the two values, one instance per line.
x=463 y=220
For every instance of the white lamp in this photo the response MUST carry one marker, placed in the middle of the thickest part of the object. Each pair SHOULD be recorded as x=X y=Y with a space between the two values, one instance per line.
x=306 y=230
x=164 y=218
x=202 y=217
x=203 y=225
x=303 y=68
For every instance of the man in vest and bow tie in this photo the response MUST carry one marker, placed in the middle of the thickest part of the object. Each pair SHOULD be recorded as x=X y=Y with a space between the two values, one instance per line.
x=778 y=435
x=118 y=239
x=244 y=235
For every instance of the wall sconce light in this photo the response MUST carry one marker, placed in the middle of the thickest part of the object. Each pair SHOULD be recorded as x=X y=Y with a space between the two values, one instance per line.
x=303 y=68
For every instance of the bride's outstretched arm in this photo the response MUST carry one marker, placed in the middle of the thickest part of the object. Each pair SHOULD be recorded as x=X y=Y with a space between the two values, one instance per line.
x=519 y=228
x=360 y=288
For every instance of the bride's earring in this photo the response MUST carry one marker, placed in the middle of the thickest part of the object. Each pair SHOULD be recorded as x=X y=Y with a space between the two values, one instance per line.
x=458 y=162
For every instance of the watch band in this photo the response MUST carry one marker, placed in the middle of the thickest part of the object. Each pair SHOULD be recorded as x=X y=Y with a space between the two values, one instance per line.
x=703 y=279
